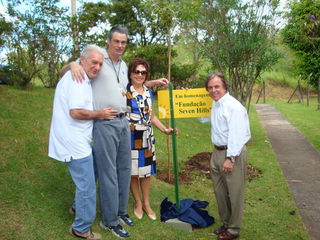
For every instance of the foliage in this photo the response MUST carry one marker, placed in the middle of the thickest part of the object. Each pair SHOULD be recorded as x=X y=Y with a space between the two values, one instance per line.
x=144 y=27
x=173 y=14
x=91 y=21
x=302 y=34
x=157 y=57
x=5 y=29
x=238 y=38
x=181 y=75
x=147 y=33
x=39 y=36
x=191 y=35
x=11 y=75
x=285 y=70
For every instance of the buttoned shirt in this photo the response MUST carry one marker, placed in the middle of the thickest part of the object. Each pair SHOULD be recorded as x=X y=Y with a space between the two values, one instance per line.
x=110 y=85
x=229 y=124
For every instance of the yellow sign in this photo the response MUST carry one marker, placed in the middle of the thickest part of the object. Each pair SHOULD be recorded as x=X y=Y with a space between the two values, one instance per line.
x=186 y=103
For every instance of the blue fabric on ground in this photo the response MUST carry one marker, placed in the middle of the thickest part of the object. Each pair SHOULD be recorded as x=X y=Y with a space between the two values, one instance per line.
x=190 y=211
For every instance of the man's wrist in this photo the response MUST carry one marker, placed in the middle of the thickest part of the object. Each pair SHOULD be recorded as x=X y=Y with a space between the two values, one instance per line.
x=232 y=159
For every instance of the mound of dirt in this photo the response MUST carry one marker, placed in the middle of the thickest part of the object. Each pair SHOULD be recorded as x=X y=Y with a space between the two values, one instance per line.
x=201 y=162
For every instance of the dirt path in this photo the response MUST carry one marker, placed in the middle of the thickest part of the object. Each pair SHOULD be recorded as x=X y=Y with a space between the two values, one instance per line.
x=300 y=164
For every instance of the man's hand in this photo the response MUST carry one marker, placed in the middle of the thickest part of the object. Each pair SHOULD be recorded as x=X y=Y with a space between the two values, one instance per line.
x=107 y=113
x=77 y=72
x=227 y=166
x=102 y=114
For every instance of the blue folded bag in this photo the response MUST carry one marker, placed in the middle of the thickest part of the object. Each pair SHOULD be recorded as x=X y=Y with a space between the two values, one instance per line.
x=190 y=211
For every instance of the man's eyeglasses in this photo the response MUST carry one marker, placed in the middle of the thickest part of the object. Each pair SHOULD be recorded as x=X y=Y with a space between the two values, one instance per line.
x=140 y=72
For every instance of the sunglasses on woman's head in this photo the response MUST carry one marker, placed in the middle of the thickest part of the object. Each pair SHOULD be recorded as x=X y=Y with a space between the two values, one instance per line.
x=140 y=72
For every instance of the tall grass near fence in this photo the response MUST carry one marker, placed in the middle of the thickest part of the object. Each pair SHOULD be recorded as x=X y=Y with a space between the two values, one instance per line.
x=36 y=191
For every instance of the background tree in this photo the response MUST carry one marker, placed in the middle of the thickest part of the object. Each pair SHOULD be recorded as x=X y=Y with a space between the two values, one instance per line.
x=157 y=57
x=302 y=34
x=74 y=28
x=238 y=37
x=92 y=21
x=147 y=32
x=191 y=36
x=39 y=40
x=145 y=27
x=172 y=13
x=5 y=30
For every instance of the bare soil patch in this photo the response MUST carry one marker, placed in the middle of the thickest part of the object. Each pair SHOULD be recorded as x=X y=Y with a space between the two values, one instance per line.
x=201 y=162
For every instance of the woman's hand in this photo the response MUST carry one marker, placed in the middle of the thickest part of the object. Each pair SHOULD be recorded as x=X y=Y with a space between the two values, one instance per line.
x=161 y=82
x=169 y=131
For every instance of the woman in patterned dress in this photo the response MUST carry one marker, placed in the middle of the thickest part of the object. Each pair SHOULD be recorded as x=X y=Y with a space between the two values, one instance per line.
x=141 y=117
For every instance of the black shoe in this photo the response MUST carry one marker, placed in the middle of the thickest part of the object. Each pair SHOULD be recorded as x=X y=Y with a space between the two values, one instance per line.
x=118 y=230
x=125 y=219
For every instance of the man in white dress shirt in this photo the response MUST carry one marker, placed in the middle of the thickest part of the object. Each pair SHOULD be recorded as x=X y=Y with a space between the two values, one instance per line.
x=230 y=132
x=71 y=136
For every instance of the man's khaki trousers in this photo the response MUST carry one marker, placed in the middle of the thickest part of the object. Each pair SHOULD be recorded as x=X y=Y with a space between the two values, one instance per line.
x=229 y=188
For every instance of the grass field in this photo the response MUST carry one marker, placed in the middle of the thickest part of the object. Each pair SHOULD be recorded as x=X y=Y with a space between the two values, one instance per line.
x=37 y=191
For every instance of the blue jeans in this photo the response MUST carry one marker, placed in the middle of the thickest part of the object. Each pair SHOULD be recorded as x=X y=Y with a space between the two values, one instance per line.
x=82 y=174
x=112 y=156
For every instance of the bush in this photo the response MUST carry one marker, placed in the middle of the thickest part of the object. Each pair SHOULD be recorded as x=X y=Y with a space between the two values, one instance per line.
x=157 y=56
x=12 y=75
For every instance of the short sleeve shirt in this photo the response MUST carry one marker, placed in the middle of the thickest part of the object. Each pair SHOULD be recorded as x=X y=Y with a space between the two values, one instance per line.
x=109 y=87
x=70 y=137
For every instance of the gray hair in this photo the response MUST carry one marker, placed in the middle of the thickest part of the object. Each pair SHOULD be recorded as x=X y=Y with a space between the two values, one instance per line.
x=89 y=48
x=120 y=29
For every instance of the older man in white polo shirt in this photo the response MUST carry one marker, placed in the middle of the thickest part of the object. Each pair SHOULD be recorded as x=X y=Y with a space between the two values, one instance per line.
x=71 y=136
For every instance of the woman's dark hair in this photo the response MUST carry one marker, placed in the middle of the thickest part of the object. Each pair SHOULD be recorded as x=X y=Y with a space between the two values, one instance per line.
x=219 y=75
x=136 y=62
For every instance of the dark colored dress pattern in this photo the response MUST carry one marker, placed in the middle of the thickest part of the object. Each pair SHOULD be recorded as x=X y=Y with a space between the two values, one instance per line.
x=142 y=138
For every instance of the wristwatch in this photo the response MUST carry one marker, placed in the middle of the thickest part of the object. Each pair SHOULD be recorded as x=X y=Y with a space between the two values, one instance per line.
x=232 y=159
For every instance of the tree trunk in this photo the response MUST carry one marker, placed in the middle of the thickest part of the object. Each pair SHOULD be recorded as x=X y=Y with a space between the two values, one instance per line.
x=76 y=51
x=319 y=93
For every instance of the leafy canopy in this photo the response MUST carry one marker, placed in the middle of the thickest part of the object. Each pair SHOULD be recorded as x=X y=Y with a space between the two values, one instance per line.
x=302 y=34
x=238 y=37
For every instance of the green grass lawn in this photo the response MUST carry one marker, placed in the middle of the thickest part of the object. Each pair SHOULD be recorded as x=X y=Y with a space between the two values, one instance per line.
x=37 y=191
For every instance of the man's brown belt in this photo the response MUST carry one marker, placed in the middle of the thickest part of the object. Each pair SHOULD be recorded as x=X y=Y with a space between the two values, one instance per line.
x=220 y=148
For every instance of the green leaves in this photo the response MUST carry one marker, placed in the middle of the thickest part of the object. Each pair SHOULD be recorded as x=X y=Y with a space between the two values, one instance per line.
x=302 y=34
x=38 y=38
x=238 y=39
